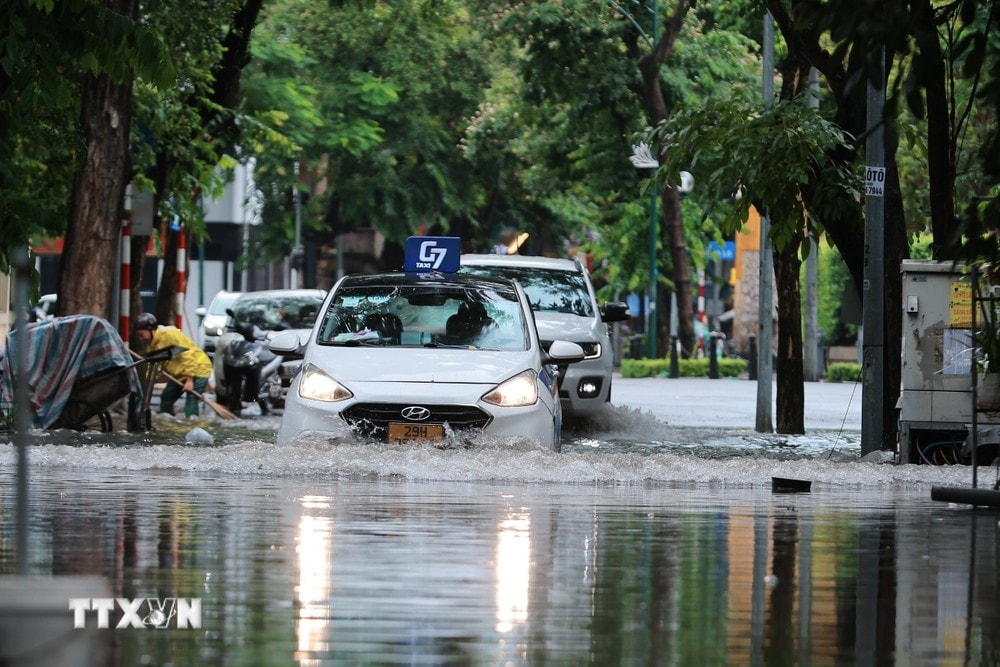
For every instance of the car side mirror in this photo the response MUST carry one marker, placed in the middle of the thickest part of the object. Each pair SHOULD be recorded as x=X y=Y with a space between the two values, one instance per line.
x=563 y=352
x=615 y=311
x=287 y=343
x=201 y=311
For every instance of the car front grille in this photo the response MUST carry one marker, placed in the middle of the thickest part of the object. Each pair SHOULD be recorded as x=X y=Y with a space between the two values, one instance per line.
x=371 y=420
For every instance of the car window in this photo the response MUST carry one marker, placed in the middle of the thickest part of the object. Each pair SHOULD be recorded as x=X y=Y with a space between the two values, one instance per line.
x=273 y=313
x=548 y=290
x=221 y=302
x=424 y=315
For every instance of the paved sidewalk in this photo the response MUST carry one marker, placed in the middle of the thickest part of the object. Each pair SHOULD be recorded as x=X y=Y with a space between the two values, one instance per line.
x=732 y=403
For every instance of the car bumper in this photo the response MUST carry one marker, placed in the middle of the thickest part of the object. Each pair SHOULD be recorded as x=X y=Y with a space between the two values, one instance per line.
x=306 y=419
x=586 y=387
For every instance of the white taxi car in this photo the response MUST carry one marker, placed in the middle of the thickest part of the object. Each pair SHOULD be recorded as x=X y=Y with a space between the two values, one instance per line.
x=424 y=355
x=565 y=304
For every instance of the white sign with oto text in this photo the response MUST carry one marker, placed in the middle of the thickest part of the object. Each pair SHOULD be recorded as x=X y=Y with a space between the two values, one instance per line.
x=874 y=181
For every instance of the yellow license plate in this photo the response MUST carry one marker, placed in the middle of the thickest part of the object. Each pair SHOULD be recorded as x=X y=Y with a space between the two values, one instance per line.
x=401 y=432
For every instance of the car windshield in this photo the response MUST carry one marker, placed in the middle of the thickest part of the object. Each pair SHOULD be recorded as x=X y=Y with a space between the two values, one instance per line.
x=548 y=290
x=276 y=313
x=221 y=302
x=424 y=316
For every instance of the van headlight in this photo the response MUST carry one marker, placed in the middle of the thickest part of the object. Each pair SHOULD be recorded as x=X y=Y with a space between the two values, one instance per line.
x=520 y=390
x=316 y=385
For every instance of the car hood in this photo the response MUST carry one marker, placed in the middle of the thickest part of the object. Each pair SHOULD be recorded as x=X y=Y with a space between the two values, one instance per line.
x=303 y=334
x=563 y=326
x=380 y=364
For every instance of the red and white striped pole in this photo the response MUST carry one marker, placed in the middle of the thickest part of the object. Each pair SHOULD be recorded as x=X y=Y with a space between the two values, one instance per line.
x=125 y=284
x=701 y=308
x=701 y=295
x=181 y=282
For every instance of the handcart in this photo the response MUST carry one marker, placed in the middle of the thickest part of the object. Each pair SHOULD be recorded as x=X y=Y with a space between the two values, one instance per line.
x=92 y=396
x=78 y=367
x=150 y=371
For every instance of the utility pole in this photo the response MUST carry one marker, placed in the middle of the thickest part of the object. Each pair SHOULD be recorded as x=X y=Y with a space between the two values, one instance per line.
x=297 y=248
x=765 y=296
x=873 y=293
x=810 y=353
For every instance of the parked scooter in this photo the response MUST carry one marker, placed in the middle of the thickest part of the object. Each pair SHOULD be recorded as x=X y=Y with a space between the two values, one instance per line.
x=246 y=370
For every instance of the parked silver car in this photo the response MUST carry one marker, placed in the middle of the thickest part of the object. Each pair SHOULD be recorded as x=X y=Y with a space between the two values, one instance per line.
x=213 y=319
x=565 y=305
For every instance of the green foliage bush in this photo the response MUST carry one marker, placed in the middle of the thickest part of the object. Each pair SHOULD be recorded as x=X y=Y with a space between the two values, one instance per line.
x=644 y=368
x=843 y=371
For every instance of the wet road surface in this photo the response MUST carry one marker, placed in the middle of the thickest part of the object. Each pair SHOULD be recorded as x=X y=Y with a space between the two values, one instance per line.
x=650 y=539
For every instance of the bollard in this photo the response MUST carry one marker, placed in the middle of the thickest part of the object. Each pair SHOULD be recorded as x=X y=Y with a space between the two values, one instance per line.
x=635 y=346
x=752 y=364
x=713 y=358
x=675 y=366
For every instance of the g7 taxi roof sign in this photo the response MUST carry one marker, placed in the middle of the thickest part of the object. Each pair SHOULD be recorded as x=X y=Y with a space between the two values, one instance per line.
x=433 y=253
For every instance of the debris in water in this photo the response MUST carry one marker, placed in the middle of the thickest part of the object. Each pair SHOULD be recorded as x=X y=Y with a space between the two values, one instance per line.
x=199 y=436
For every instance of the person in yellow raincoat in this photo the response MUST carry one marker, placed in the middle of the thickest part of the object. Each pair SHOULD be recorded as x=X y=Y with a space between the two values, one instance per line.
x=191 y=367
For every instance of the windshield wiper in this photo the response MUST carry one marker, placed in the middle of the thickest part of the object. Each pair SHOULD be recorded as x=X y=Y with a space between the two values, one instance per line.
x=450 y=346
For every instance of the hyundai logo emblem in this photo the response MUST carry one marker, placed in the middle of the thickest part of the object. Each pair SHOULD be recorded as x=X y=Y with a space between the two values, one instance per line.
x=415 y=413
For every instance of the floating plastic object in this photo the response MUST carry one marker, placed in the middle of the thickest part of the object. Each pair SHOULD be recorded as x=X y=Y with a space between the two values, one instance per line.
x=199 y=436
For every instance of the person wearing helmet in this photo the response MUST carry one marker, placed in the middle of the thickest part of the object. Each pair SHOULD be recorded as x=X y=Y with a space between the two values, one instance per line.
x=191 y=367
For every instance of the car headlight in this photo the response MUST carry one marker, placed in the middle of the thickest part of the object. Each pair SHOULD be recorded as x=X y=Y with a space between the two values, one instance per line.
x=518 y=391
x=318 y=386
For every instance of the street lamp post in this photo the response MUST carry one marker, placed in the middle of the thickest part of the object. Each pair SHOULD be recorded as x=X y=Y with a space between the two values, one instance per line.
x=642 y=158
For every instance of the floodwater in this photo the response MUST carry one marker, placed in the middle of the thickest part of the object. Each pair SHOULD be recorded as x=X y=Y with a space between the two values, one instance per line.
x=641 y=543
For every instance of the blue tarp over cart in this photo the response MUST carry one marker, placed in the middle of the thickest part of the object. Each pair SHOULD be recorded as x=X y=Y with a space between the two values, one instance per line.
x=77 y=368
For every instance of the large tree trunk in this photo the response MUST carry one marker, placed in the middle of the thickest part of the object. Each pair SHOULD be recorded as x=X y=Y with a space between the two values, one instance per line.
x=789 y=401
x=929 y=68
x=88 y=267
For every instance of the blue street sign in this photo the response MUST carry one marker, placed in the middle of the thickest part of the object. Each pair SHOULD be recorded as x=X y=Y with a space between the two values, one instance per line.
x=433 y=253
x=725 y=254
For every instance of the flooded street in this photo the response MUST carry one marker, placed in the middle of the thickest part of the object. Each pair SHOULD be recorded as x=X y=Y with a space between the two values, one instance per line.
x=647 y=540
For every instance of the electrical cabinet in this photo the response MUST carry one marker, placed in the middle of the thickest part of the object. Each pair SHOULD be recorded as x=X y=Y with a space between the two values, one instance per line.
x=936 y=399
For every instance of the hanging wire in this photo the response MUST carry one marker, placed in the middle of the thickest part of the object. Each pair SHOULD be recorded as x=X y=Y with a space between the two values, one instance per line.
x=843 y=422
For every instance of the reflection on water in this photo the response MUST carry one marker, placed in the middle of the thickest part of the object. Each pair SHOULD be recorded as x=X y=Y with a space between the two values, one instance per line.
x=319 y=571
x=637 y=545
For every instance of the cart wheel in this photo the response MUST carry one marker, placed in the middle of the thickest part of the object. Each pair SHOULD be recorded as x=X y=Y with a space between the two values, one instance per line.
x=106 y=425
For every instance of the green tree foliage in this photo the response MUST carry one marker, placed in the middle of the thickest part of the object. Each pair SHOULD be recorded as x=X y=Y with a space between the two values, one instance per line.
x=577 y=75
x=719 y=142
x=302 y=112
x=980 y=48
x=428 y=54
x=45 y=48
x=169 y=127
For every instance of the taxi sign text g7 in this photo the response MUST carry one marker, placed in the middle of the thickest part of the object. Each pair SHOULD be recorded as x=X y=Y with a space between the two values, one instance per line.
x=432 y=253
